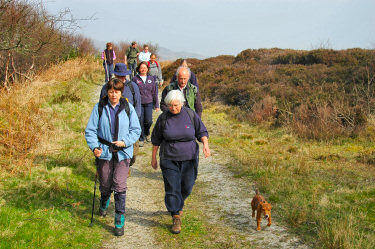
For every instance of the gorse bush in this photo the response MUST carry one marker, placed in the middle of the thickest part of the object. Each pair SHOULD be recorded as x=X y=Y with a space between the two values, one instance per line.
x=318 y=94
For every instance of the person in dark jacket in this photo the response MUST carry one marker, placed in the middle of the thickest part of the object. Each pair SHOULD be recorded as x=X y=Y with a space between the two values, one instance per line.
x=149 y=99
x=110 y=134
x=108 y=56
x=191 y=93
x=176 y=132
x=193 y=79
x=121 y=72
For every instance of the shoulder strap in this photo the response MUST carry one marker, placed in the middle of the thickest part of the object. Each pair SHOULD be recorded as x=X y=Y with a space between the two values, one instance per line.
x=130 y=85
x=125 y=101
x=148 y=63
x=163 y=120
x=104 y=100
x=157 y=64
x=191 y=115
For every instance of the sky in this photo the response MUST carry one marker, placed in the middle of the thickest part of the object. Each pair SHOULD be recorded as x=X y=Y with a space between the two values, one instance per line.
x=227 y=27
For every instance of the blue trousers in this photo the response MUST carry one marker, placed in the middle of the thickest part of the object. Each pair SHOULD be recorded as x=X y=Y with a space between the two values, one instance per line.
x=109 y=67
x=146 y=120
x=179 y=179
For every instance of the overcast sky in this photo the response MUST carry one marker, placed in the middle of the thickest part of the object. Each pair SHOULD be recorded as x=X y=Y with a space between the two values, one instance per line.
x=214 y=27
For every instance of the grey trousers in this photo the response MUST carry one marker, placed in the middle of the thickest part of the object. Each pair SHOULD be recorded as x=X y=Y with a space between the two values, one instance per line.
x=113 y=175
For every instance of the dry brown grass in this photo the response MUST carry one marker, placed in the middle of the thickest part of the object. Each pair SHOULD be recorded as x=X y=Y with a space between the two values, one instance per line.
x=22 y=120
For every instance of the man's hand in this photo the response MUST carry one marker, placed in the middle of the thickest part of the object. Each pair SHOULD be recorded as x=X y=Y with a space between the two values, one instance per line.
x=157 y=109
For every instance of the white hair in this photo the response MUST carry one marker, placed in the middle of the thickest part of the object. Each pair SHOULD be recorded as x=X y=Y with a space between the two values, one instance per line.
x=174 y=95
x=181 y=67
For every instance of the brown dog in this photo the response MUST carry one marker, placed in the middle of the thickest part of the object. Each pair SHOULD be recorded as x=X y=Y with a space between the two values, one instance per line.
x=261 y=206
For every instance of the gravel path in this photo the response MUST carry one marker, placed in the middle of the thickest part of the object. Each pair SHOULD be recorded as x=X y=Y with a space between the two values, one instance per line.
x=227 y=204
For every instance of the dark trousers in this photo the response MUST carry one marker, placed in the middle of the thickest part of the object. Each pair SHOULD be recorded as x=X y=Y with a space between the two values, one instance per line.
x=179 y=179
x=132 y=67
x=146 y=120
x=108 y=68
x=113 y=177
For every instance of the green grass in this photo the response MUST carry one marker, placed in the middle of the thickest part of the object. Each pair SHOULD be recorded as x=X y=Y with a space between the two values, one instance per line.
x=323 y=191
x=50 y=205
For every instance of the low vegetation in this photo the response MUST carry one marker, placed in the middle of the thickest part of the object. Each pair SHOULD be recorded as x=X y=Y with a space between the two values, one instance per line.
x=46 y=170
x=322 y=190
x=319 y=94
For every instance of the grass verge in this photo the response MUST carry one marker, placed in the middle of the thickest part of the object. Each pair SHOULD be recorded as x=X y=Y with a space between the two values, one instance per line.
x=323 y=191
x=46 y=196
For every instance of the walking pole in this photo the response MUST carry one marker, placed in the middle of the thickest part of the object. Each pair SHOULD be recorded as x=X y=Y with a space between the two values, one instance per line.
x=93 y=200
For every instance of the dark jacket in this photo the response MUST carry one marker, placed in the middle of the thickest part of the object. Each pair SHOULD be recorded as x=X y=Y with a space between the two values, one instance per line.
x=177 y=139
x=127 y=93
x=148 y=90
x=198 y=108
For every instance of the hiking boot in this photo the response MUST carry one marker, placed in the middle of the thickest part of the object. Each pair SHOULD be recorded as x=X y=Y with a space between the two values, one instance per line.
x=119 y=231
x=176 y=227
x=141 y=143
x=119 y=224
x=104 y=203
x=148 y=139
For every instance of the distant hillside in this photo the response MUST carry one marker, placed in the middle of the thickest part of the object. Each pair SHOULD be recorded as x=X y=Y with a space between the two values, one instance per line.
x=319 y=94
x=166 y=54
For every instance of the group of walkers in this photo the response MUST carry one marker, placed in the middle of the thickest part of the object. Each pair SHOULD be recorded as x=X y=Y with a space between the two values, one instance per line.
x=121 y=122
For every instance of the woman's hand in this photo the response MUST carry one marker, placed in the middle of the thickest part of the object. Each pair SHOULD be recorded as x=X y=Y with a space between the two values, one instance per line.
x=157 y=109
x=98 y=152
x=119 y=143
x=154 y=163
x=206 y=149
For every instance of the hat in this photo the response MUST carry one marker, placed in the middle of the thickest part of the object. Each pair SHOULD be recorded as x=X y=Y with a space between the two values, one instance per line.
x=121 y=70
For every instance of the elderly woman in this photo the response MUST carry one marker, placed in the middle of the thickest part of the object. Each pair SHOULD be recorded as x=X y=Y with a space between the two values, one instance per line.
x=149 y=99
x=112 y=130
x=176 y=132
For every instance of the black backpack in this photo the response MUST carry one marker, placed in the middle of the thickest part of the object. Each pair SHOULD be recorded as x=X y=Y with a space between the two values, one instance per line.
x=163 y=117
x=104 y=101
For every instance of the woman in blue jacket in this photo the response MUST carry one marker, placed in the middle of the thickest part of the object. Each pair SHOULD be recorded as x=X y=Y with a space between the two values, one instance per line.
x=112 y=130
x=148 y=89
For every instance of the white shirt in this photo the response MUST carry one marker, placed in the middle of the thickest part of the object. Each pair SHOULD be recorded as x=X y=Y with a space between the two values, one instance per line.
x=144 y=56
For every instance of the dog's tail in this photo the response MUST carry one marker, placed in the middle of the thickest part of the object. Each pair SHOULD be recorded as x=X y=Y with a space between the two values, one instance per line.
x=256 y=191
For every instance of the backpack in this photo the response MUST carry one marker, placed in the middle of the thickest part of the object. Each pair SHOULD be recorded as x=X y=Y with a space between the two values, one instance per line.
x=130 y=85
x=148 y=63
x=163 y=118
x=104 y=101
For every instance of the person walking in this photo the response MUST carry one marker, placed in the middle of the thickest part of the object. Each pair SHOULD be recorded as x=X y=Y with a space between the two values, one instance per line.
x=175 y=132
x=193 y=79
x=131 y=55
x=110 y=133
x=190 y=92
x=108 y=56
x=149 y=99
x=155 y=70
x=131 y=92
x=145 y=54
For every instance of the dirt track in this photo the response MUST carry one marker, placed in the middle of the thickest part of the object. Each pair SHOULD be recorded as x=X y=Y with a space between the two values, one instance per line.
x=227 y=202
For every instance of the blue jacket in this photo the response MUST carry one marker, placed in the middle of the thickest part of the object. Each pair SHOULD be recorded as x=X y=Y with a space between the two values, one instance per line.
x=148 y=90
x=127 y=94
x=128 y=132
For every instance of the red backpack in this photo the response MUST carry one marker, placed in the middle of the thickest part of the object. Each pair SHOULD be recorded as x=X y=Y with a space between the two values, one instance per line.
x=148 y=63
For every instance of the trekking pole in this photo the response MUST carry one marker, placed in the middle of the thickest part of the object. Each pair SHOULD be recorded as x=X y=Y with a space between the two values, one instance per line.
x=93 y=200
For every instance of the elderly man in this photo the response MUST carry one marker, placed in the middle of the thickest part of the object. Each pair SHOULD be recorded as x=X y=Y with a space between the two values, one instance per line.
x=193 y=79
x=191 y=93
